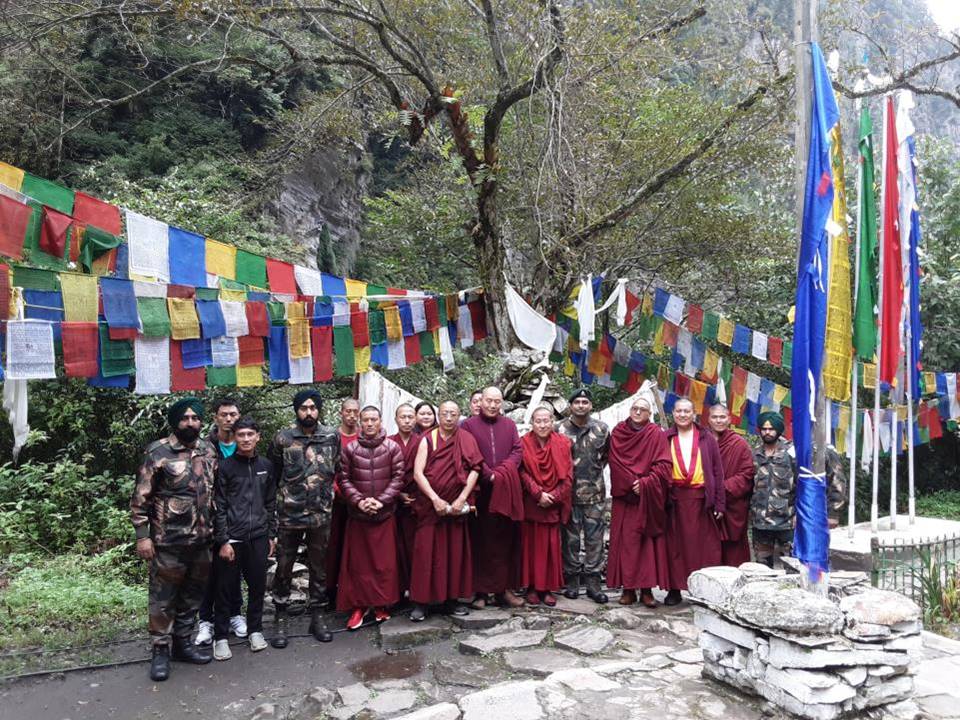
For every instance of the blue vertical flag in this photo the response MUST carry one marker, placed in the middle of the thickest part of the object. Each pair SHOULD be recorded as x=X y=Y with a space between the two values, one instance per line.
x=811 y=538
x=916 y=326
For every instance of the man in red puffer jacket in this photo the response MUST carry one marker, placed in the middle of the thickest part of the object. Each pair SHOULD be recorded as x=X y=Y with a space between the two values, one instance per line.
x=371 y=481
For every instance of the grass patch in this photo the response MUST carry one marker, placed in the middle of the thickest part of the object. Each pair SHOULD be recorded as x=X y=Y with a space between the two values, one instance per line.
x=940 y=504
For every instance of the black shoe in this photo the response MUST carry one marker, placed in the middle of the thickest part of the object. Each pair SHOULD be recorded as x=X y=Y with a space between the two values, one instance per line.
x=323 y=602
x=418 y=614
x=594 y=591
x=160 y=663
x=673 y=598
x=186 y=651
x=455 y=608
x=279 y=639
x=571 y=591
x=318 y=628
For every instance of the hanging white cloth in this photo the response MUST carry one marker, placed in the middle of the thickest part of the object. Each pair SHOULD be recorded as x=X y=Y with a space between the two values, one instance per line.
x=152 y=359
x=866 y=453
x=301 y=371
x=464 y=327
x=952 y=395
x=308 y=280
x=536 y=399
x=148 y=243
x=721 y=386
x=674 y=309
x=15 y=404
x=530 y=327
x=376 y=390
x=586 y=314
x=446 y=351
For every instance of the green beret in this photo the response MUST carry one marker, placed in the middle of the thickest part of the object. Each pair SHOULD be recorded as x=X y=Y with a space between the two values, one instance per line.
x=580 y=393
x=775 y=420
x=175 y=412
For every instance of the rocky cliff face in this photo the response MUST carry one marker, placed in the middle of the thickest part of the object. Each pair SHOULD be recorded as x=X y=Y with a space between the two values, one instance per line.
x=325 y=190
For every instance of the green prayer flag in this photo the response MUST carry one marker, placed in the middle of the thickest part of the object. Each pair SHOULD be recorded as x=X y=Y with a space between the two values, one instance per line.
x=787 y=354
x=32 y=253
x=343 y=364
x=96 y=242
x=35 y=279
x=47 y=192
x=376 y=289
x=726 y=373
x=427 y=346
x=116 y=356
x=442 y=310
x=645 y=327
x=277 y=312
x=864 y=318
x=228 y=284
x=207 y=293
x=251 y=269
x=378 y=327
x=620 y=374
x=154 y=316
x=952 y=425
x=556 y=356
x=786 y=401
x=221 y=376
x=653 y=368
x=711 y=325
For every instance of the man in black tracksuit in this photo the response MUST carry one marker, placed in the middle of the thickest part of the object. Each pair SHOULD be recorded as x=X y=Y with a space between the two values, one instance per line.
x=245 y=528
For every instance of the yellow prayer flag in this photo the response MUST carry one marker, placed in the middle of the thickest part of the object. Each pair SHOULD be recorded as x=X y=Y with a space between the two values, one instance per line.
x=843 y=425
x=725 y=333
x=710 y=362
x=736 y=406
x=233 y=295
x=902 y=413
x=597 y=363
x=779 y=394
x=658 y=340
x=249 y=375
x=870 y=376
x=184 y=323
x=698 y=394
x=11 y=176
x=142 y=278
x=647 y=307
x=356 y=289
x=80 y=297
x=221 y=259
x=391 y=318
x=298 y=334
x=568 y=367
x=930 y=381
x=361 y=359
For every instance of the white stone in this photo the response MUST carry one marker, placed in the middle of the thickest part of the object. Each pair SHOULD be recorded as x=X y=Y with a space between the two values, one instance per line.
x=622 y=618
x=892 y=690
x=480 y=645
x=514 y=700
x=868 y=632
x=587 y=640
x=713 y=623
x=880 y=607
x=784 y=654
x=540 y=662
x=766 y=605
x=583 y=679
x=356 y=694
x=690 y=655
x=442 y=711
x=709 y=641
x=759 y=570
x=618 y=666
x=392 y=701
x=882 y=671
x=715 y=585
x=827 y=689
x=853 y=676
x=687 y=671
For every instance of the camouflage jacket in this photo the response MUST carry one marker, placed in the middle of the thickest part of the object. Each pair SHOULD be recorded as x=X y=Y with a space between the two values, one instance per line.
x=774 y=488
x=305 y=466
x=836 y=482
x=591 y=444
x=172 y=500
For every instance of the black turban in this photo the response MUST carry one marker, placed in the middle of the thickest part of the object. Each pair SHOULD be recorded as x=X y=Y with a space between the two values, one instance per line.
x=775 y=420
x=580 y=393
x=175 y=412
x=309 y=394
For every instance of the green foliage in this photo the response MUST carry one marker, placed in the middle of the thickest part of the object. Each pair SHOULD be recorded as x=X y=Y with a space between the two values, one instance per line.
x=938 y=581
x=940 y=504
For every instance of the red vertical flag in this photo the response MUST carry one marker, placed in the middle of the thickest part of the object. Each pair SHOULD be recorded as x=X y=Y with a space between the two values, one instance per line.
x=892 y=280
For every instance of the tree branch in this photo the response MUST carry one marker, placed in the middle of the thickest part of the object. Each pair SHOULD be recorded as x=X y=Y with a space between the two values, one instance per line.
x=496 y=47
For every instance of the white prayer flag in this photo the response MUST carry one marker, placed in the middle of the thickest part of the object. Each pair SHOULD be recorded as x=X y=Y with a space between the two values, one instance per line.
x=419 y=316
x=308 y=280
x=341 y=313
x=684 y=343
x=465 y=327
x=446 y=351
x=586 y=315
x=866 y=454
x=952 y=395
x=30 y=350
x=674 y=309
x=753 y=387
x=152 y=358
x=148 y=243
x=759 y=349
x=225 y=351
x=301 y=370
x=235 y=317
x=146 y=289
x=396 y=355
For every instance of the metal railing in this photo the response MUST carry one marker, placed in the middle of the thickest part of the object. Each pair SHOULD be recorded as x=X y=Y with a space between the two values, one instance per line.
x=924 y=570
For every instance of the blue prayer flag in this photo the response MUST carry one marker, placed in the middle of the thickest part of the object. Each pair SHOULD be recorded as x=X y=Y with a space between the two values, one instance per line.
x=660 y=300
x=212 y=322
x=196 y=353
x=380 y=354
x=742 y=339
x=279 y=353
x=333 y=286
x=188 y=257
x=406 y=317
x=913 y=299
x=44 y=305
x=119 y=303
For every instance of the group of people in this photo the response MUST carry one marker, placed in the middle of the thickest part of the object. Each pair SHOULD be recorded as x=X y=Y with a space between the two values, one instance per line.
x=447 y=512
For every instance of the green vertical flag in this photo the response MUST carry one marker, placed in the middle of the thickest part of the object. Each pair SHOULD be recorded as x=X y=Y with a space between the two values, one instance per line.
x=343 y=351
x=221 y=376
x=865 y=302
x=251 y=269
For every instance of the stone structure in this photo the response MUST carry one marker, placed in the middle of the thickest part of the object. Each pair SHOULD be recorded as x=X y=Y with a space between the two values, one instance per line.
x=816 y=657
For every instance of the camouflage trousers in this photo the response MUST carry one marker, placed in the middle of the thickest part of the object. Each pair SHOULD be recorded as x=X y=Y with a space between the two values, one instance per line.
x=586 y=521
x=288 y=546
x=178 y=579
x=770 y=545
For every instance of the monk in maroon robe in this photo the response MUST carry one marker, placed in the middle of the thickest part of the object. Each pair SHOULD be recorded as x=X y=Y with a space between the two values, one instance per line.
x=697 y=499
x=547 y=476
x=371 y=477
x=408 y=440
x=446 y=469
x=496 y=530
x=349 y=431
x=738 y=471
x=639 y=485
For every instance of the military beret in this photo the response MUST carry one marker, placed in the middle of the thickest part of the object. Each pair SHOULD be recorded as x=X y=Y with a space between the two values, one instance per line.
x=580 y=393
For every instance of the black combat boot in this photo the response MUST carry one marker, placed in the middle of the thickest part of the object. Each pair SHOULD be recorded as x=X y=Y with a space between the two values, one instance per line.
x=318 y=628
x=279 y=639
x=160 y=663
x=571 y=591
x=186 y=651
x=594 y=590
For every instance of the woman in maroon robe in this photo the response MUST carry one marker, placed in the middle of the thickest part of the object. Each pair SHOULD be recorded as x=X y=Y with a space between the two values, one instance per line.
x=547 y=476
x=639 y=477
x=409 y=441
x=445 y=469
x=738 y=472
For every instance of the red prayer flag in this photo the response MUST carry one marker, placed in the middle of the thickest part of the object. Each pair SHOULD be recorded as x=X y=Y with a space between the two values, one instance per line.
x=431 y=312
x=181 y=379
x=91 y=211
x=633 y=302
x=53 y=232
x=738 y=381
x=258 y=322
x=80 y=343
x=633 y=383
x=681 y=385
x=281 y=277
x=14 y=220
x=478 y=319
x=694 y=318
x=933 y=421
x=787 y=422
x=122 y=333
x=4 y=292
x=251 y=350
x=321 y=344
x=775 y=350
x=360 y=328
x=411 y=349
x=890 y=347
x=184 y=292
x=670 y=334
x=396 y=291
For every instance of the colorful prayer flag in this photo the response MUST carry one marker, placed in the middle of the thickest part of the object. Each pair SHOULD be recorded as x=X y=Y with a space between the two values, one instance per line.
x=865 y=314
x=891 y=349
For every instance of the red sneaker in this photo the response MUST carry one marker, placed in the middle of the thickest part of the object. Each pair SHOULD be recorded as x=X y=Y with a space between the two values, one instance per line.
x=381 y=615
x=356 y=619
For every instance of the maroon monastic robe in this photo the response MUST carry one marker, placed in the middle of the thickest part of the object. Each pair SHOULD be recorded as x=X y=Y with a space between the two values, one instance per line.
x=693 y=535
x=442 y=562
x=495 y=533
x=406 y=523
x=738 y=471
x=546 y=468
x=638 y=554
x=338 y=523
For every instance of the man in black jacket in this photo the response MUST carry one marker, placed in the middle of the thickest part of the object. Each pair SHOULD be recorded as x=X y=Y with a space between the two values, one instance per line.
x=245 y=528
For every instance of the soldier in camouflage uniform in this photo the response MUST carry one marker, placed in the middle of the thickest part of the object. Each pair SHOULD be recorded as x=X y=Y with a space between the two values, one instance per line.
x=306 y=457
x=774 y=490
x=836 y=486
x=591 y=443
x=171 y=510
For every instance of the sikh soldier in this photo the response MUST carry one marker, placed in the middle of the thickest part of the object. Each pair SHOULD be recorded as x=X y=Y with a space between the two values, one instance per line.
x=171 y=509
x=774 y=491
x=591 y=445
x=306 y=457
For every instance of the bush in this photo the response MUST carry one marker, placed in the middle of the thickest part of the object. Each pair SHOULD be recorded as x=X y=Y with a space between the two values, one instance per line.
x=940 y=504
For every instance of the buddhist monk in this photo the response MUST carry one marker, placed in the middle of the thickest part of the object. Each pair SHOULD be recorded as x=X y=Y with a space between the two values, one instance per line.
x=738 y=471
x=697 y=499
x=547 y=476
x=639 y=485
x=496 y=529
x=370 y=480
x=408 y=441
x=446 y=470
x=349 y=430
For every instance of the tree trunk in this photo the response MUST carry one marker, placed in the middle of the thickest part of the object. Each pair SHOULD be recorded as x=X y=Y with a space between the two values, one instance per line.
x=491 y=259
